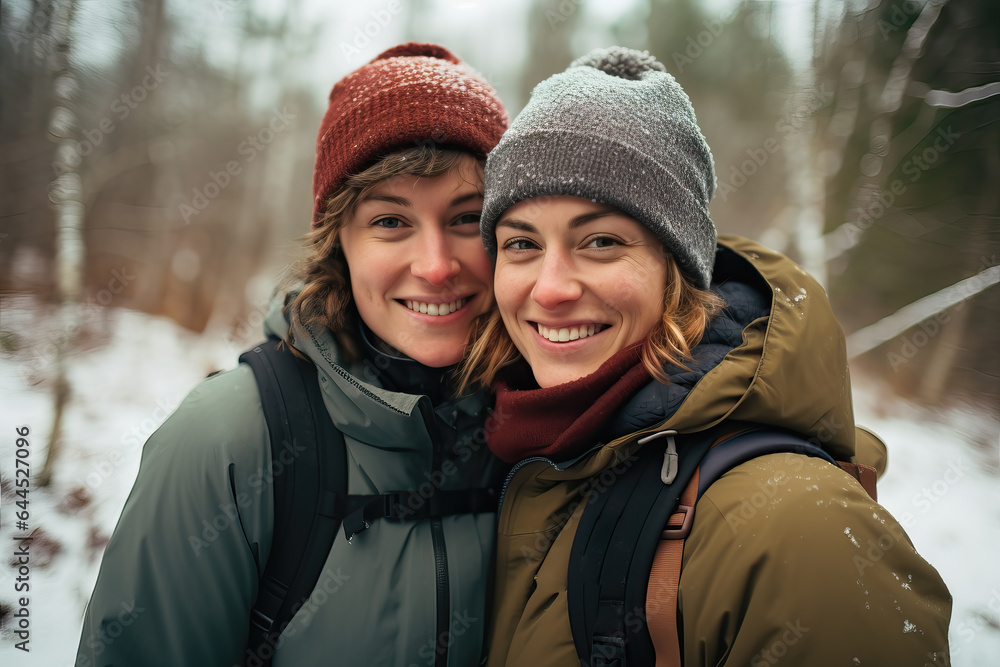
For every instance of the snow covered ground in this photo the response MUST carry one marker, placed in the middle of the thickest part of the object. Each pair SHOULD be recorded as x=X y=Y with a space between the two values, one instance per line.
x=134 y=369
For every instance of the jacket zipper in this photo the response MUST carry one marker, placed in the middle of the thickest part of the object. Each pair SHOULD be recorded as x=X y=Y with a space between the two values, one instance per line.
x=441 y=634
x=638 y=435
x=347 y=376
x=443 y=611
x=513 y=470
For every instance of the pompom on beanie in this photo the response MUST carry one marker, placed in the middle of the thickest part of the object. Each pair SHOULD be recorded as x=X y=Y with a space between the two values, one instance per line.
x=409 y=95
x=614 y=127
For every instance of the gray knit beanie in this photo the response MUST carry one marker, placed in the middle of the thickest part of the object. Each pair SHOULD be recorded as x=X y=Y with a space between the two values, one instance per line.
x=615 y=128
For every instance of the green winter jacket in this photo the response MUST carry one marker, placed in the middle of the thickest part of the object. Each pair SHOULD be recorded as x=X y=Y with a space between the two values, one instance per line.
x=789 y=561
x=181 y=571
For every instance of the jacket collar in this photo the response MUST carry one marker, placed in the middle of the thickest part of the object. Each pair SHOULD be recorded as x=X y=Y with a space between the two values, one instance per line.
x=359 y=405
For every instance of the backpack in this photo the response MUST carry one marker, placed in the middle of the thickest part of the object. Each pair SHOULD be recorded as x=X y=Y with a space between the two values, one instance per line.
x=310 y=493
x=637 y=526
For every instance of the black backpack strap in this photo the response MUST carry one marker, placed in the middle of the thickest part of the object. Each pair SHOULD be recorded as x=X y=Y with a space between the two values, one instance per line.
x=412 y=506
x=309 y=482
x=610 y=542
x=750 y=444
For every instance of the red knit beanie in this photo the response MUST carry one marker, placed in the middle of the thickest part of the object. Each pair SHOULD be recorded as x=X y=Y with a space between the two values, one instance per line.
x=410 y=94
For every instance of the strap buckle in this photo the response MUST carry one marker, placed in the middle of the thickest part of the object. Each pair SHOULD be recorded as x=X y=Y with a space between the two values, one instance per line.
x=390 y=505
x=682 y=531
x=259 y=620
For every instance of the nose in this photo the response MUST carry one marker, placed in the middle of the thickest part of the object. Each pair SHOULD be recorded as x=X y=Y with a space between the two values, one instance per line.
x=556 y=282
x=436 y=261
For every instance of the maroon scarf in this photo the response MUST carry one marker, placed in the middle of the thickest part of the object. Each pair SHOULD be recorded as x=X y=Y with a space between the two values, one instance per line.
x=564 y=421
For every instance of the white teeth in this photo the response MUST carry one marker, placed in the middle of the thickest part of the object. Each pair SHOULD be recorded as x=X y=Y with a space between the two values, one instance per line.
x=567 y=334
x=435 y=308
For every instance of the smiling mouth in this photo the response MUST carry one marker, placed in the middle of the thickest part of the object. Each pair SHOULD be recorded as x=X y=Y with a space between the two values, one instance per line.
x=566 y=334
x=437 y=309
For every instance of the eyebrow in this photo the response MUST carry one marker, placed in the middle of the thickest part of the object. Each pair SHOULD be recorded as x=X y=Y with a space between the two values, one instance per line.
x=577 y=221
x=402 y=201
x=399 y=201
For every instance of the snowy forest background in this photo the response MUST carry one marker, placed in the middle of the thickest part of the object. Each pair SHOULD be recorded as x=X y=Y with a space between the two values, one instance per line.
x=155 y=173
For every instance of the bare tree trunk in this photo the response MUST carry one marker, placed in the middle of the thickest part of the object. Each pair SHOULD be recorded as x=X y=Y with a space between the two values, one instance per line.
x=66 y=196
x=845 y=84
x=805 y=184
x=873 y=167
x=806 y=193
x=550 y=28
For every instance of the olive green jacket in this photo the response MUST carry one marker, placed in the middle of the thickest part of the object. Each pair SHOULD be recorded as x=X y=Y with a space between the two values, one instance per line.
x=789 y=560
x=181 y=571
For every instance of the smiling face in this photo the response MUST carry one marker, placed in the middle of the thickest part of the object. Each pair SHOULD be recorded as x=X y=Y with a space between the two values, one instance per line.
x=419 y=273
x=576 y=283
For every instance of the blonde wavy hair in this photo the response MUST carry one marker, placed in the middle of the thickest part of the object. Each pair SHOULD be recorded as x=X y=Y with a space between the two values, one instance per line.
x=326 y=297
x=687 y=312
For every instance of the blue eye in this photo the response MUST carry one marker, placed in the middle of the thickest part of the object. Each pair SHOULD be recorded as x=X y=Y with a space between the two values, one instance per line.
x=388 y=223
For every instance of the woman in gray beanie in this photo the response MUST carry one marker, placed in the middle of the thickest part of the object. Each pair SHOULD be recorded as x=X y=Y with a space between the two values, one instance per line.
x=674 y=406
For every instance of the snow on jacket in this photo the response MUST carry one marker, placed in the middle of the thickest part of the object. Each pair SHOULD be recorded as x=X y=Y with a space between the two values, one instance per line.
x=788 y=560
x=196 y=531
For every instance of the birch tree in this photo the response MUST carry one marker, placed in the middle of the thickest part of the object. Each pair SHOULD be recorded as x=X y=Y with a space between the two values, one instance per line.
x=66 y=197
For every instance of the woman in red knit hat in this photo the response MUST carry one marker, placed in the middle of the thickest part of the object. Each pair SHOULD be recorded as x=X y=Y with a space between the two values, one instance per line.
x=197 y=571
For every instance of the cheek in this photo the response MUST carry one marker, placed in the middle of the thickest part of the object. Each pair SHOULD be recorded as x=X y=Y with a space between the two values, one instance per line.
x=364 y=282
x=371 y=273
x=514 y=331
x=652 y=312
x=508 y=289
x=646 y=300
x=472 y=255
x=505 y=304
x=653 y=304
x=353 y=259
x=483 y=273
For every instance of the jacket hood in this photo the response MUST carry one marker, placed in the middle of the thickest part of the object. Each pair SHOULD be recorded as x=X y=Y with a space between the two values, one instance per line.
x=791 y=370
x=776 y=356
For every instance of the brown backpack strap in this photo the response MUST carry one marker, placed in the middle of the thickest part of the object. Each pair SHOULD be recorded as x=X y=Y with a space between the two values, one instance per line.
x=664 y=578
x=866 y=475
x=665 y=574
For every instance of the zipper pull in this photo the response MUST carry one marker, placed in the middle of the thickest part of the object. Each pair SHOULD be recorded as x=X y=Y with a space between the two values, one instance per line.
x=668 y=472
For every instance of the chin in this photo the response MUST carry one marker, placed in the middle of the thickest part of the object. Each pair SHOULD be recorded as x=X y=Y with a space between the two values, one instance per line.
x=434 y=359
